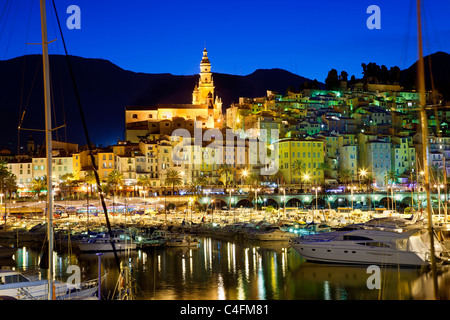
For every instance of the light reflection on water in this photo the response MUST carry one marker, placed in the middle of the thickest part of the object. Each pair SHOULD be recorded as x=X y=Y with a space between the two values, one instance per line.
x=226 y=270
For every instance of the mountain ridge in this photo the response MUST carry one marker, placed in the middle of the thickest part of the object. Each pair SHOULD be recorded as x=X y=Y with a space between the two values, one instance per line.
x=105 y=90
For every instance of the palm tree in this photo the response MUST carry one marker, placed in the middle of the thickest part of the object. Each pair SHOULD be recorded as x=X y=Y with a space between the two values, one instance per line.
x=277 y=177
x=69 y=181
x=115 y=178
x=437 y=173
x=90 y=179
x=391 y=175
x=196 y=188
x=298 y=167
x=253 y=179
x=39 y=184
x=10 y=186
x=145 y=182
x=11 y=183
x=173 y=178
x=325 y=167
x=345 y=176
x=4 y=172
x=225 y=169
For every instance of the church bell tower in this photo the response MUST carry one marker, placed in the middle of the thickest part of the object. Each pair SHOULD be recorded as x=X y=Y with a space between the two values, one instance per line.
x=205 y=84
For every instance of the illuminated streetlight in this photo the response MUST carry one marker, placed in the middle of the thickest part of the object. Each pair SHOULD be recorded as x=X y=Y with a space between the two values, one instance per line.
x=351 y=190
x=306 y=177
x=318 y=189
x=244 y=175
x=284 y=201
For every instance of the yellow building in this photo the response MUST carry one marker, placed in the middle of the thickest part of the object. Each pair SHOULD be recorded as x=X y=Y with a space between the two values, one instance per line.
x=306 y=153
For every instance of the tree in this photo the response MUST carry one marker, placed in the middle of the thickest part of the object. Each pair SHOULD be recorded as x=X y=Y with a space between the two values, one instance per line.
x=11 y=183
x=332 y=80
x=277 y=177
x=299 y=168
x=254 y=180
x=4 y=172
x=324 y=166
x=69 y=181
x=225 y=169
x=196 y=187
x=345 y=176
x=38 y=185
x=343 y=76
x=437 y=173
x=391 y=176
x=173 y=178
x=115 y=178
x=144 y=182
x=90 y=179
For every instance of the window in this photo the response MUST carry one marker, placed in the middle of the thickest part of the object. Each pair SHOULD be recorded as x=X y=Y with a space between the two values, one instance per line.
x=134 y=116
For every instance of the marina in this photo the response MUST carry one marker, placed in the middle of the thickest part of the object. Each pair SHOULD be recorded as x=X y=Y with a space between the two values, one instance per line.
x=184 y=256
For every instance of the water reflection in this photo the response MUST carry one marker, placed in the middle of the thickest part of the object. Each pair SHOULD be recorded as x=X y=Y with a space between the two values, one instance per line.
x=229 y=270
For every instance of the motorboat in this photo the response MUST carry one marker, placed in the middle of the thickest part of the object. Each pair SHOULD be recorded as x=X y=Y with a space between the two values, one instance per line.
x=18 y=286
x=182 y=240
x=104 y=243
x=156 y=239
x=379 y=242
x=270 y=233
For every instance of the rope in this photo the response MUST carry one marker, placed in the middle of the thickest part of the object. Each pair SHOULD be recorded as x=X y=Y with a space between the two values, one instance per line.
x=88 y=139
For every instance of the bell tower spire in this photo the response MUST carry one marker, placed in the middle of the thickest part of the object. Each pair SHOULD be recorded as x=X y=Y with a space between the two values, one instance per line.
x=205 y=83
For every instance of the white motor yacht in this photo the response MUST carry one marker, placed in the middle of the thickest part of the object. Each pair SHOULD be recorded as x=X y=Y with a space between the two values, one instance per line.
x=378 y=242
x=18 y=286
x=101 y=244
x=270 y=233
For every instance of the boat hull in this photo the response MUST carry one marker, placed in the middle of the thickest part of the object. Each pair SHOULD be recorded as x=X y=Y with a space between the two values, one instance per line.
x=348 y=254
x=104 y=247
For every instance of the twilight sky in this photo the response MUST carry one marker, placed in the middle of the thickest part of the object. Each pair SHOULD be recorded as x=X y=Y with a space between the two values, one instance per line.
x=305 y=37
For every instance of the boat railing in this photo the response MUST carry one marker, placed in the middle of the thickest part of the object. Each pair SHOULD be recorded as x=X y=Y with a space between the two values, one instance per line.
x=26 y=295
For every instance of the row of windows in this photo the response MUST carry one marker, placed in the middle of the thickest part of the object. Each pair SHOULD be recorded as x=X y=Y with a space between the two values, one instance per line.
x=314 y=155
x=304 y=144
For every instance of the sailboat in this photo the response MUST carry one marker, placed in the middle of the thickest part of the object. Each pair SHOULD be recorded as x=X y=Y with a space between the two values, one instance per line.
x=14 y=284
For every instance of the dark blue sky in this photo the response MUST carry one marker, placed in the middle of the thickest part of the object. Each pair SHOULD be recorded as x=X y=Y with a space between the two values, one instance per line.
x=305 y=37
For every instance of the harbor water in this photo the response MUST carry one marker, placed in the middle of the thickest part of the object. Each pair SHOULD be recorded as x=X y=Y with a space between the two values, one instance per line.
x=237 y=270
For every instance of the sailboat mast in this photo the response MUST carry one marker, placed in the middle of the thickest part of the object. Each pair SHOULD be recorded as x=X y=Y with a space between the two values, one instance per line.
x=48 y=146
x=424 y=125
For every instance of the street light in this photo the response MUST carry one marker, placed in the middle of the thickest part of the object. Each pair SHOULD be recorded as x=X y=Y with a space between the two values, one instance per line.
x=306 y=177
x=284 y=201
x=318 y=189
x=256 y=198
x=351 y=190
x=362 y=173
x=231 y=190
x=212 y=212
x=244 y=174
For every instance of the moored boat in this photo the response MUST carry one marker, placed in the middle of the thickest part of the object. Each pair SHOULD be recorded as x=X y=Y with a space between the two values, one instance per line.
x=104 y=243
x=377 y=242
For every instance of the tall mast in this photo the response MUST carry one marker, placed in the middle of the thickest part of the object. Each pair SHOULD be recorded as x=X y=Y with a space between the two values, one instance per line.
x=48 y=147
x=424 y=123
